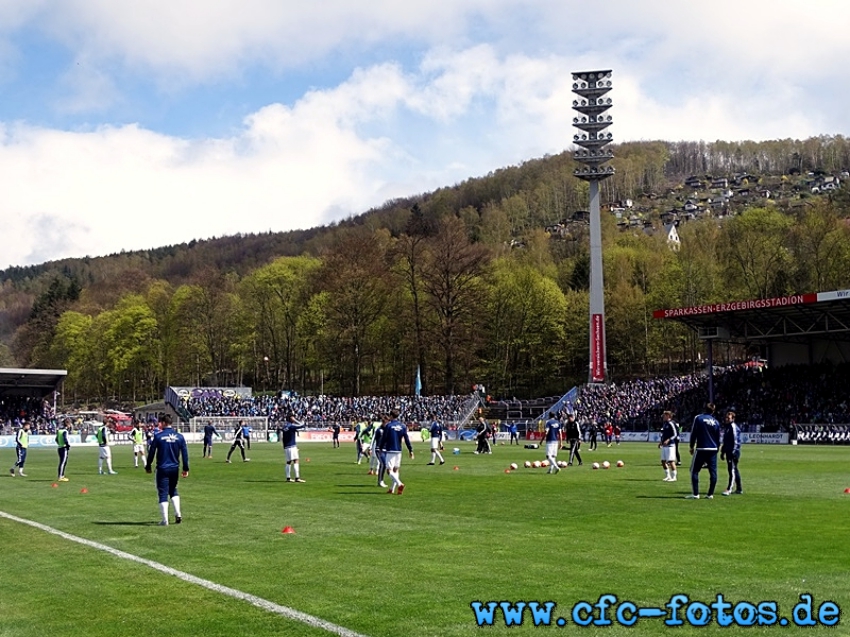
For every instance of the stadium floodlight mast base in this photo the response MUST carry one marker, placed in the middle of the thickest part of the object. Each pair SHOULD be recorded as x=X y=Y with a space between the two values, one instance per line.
x=591 y=87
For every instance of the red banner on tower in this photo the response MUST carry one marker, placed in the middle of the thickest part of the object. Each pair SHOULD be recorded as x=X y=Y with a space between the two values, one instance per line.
x=597 y=348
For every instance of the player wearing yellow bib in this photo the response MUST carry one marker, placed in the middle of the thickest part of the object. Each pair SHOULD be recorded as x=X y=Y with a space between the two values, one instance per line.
x=138 y=438
x=105 y=452
x=63 y=444
x=22 y=443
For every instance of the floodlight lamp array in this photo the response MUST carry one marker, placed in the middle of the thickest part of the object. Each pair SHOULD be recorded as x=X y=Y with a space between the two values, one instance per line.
x=591 y=88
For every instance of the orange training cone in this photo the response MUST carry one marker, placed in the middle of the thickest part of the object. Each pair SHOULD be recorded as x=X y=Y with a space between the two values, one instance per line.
x=456 y=468
x=288 y=529
x=84 y=490
x=847 y=490
x=54 y=485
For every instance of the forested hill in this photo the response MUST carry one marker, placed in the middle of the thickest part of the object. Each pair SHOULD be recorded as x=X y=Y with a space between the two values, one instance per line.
x=534 y=208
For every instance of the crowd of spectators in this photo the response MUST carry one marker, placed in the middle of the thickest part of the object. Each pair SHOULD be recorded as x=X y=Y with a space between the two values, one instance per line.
x=637 y=404
x=16 y=409
x=764 y=399
x=317 y=410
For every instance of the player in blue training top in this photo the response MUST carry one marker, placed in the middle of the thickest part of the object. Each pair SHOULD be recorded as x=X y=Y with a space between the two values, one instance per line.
x=436 y=431
x=289 y=437
x=22 y=443
x=731 y=452
x=395 y=433
x=705 y=440
x=246 y=430
x=210 y=434
x=552 y=436
x=169 y=448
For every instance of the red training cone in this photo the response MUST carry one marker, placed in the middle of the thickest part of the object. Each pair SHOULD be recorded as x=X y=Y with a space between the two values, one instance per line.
x=847 y=490
x=456 y=468
x=54 y=485
x=84 y=490
x=288 y=529
x=507 y=470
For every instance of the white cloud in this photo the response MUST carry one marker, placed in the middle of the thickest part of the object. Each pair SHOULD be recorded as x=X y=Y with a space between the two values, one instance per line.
x=199 y=39
x=125 y=187
x=491 y=87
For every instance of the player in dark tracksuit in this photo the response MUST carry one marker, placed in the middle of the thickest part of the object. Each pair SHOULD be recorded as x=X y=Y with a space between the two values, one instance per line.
x=381 y=451
x=730 y=451
x=574 y=438
x=238 y=441
x=169 y=448
x=210 y=434
x=704 y=445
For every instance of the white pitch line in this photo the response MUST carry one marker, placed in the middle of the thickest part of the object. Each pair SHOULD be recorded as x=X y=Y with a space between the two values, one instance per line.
x=259 y=602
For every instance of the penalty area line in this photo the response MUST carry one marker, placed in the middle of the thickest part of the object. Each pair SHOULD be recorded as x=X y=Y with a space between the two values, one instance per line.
x=259 y=602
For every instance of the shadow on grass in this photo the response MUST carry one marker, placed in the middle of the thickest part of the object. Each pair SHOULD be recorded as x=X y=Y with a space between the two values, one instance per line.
x=127 y=523
x=677 y=496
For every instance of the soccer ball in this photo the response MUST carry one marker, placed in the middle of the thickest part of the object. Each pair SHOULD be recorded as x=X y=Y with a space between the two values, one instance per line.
x=536 y=464
x=456 y=451
x=595 y=465
x=620 y=463
x=527 y=464
x=562 y=464
x=606 y=465
x=544 y=463
x=514 y=466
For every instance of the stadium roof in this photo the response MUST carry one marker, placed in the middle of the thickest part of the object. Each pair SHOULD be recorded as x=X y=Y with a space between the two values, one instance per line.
x=31 y=383
x=797 y=318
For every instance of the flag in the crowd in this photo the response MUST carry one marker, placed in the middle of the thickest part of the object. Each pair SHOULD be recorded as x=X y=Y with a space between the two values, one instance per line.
x=418 y=385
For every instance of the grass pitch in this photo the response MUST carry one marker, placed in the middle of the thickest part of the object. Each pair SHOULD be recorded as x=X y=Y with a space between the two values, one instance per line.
x=411 y=565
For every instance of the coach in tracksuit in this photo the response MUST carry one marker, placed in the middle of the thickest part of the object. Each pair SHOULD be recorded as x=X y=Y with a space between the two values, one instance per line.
x=574 y=439
x=169 y=448
x=704 y=445
x=730 y=450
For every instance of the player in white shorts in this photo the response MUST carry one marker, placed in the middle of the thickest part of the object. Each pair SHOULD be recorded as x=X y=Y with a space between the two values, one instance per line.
x=105 y=454
x=669 y=431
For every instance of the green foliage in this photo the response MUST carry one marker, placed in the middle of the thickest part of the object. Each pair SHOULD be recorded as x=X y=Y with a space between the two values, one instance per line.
x=524 y=321
x=358 y=306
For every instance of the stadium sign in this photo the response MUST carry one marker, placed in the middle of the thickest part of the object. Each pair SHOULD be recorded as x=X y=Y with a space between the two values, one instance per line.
x=756 y=304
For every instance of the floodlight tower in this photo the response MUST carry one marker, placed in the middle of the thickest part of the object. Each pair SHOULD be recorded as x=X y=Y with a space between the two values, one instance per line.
x=591 y=87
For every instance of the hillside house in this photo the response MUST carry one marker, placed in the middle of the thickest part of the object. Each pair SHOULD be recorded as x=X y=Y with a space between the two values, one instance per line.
x=670 y=216
x=672 y=236
x=720 y=183
x=829 y=183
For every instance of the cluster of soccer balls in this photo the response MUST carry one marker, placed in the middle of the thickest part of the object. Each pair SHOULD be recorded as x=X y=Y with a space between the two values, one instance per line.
x=537 y=464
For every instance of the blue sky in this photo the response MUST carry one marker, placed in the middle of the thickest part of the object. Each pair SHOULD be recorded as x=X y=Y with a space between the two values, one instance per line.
x=135 y=124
